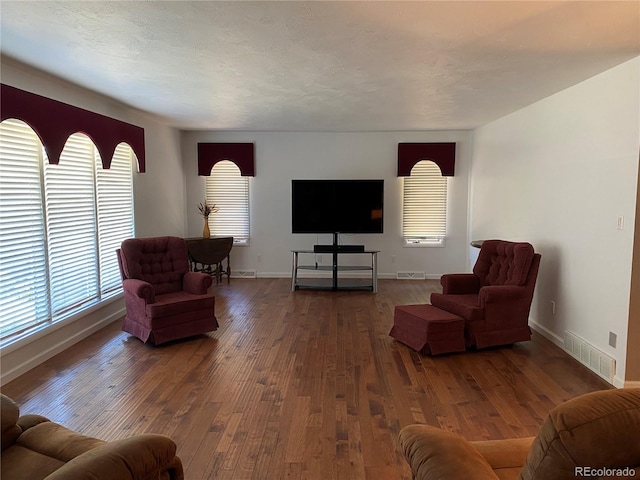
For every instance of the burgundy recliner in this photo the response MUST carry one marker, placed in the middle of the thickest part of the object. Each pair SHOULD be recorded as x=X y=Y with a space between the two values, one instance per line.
x=496 y=298
x=164 y=300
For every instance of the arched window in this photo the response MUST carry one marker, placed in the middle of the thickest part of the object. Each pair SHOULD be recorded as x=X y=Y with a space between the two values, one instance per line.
x=24 y=290
x=229 y=192
x=424 y=209
x=69 y=191
x=59 y=227
x=115 y=213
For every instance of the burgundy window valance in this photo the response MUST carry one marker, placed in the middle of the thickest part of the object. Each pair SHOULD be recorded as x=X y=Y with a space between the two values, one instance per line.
x=239 y=153
x=442 y=154
x=54 y=122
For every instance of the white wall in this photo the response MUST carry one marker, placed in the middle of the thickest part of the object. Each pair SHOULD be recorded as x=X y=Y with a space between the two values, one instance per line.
x=558 y=173
x=159 y=196
x=281 y=157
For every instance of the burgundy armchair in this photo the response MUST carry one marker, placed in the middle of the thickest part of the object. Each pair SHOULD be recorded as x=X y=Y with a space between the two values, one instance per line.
x=496 y=298
x=164 y=300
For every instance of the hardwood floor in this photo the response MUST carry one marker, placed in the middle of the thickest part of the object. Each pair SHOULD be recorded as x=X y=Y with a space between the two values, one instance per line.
x=304 y=385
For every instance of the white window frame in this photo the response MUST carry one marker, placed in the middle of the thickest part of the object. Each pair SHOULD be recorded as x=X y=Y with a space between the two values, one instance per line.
x=77 y=200
x=424 y=206
x=228 y=190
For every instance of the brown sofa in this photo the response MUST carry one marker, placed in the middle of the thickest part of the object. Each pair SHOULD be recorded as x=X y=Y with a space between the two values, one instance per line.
x=595 y=433
x=35 y=448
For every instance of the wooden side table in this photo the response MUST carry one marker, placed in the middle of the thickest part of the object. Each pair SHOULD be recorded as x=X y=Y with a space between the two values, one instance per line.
x=207 y=254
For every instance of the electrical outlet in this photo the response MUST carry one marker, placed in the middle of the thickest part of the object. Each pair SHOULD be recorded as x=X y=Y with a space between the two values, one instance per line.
x=393 y=259
x=553 y=307
x=620 y=222
x=259 y=258
x=613 y=339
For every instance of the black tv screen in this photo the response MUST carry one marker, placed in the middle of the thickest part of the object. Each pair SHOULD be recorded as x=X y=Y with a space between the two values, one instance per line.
x=337 y=206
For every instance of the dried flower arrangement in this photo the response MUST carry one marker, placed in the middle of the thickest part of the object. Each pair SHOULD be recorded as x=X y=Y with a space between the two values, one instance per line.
x=205 y=209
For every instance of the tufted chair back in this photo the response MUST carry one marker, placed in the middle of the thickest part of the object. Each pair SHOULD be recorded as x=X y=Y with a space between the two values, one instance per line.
x=503 y=263
x=161 y=261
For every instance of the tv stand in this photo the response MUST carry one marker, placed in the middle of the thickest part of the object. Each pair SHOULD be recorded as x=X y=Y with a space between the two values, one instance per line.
x=335 y=282
x=338 y=248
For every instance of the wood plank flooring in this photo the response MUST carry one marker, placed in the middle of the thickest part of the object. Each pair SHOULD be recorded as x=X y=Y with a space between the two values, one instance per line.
x=304 y=385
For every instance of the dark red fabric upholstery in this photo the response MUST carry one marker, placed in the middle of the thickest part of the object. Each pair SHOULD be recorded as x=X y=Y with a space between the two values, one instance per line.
x=427 y=329
x=160 y=261
x=503 y=263
x=164 y=300
x=496 y=298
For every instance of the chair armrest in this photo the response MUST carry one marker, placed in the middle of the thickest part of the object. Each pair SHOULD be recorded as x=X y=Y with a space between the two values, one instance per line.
x=132 y=458
x=459 y=283
x=31 y=420
x=434 y=454
x=196 y=282
x=501 y=454
x=56 y=441
x=501 y=294
x=140 y=289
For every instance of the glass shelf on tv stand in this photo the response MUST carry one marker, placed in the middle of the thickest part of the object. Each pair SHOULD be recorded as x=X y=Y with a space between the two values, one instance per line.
x=335 y=281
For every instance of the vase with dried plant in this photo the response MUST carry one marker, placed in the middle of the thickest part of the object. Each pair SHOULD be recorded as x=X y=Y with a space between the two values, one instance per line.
x=206 y=210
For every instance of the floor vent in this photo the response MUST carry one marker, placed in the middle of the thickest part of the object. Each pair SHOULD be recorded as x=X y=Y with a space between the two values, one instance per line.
x=410 y=276
x=243 y=274
x=588 y=355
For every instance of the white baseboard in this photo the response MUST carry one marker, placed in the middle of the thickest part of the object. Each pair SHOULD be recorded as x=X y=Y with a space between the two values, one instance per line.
x=35 y=357
x=546 y=333
x=560 y=342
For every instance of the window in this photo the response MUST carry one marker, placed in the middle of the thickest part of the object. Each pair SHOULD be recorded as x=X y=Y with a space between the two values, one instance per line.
x=24 y=297
x=229 y=192
x=59 y=228
x=424 y=211
x=114 y=197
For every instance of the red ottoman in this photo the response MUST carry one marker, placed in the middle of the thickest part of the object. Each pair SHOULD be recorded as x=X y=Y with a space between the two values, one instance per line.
x=427 y=329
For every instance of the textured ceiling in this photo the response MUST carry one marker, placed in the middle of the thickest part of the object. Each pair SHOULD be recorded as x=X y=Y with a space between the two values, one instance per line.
x=323 y=66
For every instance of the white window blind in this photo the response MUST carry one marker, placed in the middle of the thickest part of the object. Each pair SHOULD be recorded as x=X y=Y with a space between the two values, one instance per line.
x=424 y=212
x=59 y=228
x=71 y=225
x=229 y=192
x=24 y=299
x=115 y=213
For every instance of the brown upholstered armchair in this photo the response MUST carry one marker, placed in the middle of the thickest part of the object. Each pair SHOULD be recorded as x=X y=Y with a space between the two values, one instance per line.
x=34 y=448
x=496 y=298
x=163 y=299
x=595 y=433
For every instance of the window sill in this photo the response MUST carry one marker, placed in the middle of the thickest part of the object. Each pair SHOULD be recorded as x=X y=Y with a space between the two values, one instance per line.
x=424 y=243
x=47 y=328
x=241 y=242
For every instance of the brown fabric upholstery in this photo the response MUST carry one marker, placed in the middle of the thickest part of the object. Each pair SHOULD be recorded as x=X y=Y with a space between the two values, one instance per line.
x=496 y=298
x=46 y=450
x=596 y=430
x=164 y=300
x=10 y=428
x=434 y=454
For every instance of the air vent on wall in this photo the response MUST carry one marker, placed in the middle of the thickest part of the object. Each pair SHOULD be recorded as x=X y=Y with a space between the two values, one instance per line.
x=243 y=274
x=590 y=356
x=410 y=275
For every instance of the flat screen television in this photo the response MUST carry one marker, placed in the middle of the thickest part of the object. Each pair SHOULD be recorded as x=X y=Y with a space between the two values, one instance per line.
x=337 y=206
